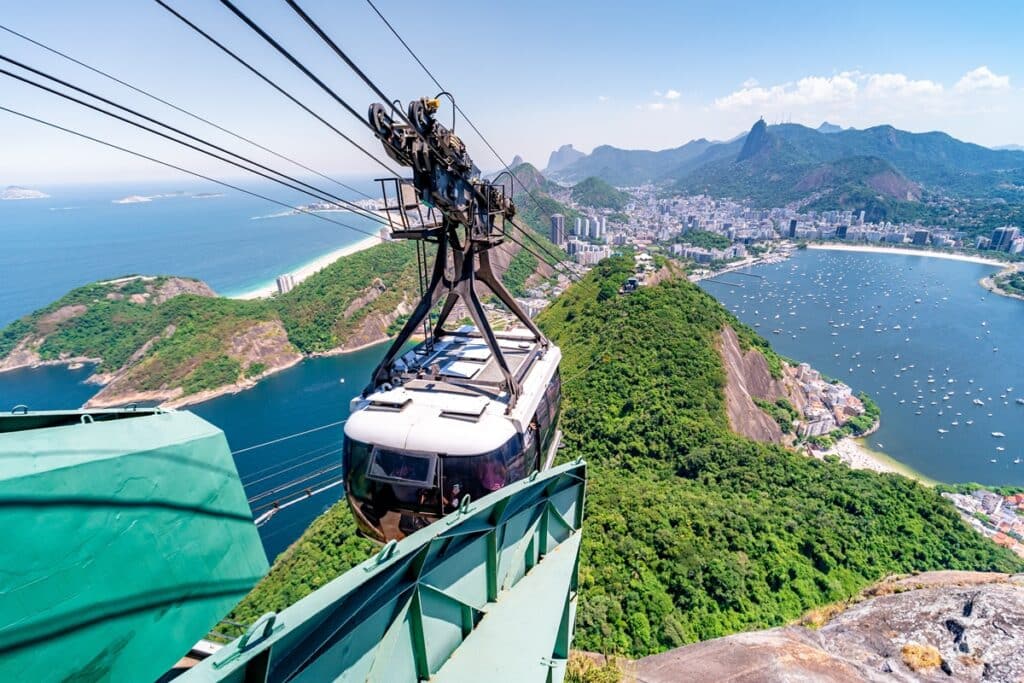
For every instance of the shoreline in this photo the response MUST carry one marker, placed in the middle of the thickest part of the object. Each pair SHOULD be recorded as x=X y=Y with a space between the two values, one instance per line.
x=308 y=269
x=179 y=401
x=858 y=455
x=903 y=251
x=988 y=283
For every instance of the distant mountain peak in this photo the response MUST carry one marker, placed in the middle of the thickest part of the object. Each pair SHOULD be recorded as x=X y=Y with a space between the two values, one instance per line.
x=827 y=127
x=516 y=161
x=562 y=157
x=758 y=140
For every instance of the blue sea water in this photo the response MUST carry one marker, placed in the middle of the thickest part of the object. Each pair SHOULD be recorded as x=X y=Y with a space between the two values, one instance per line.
x=232 y=241
x=919 y=335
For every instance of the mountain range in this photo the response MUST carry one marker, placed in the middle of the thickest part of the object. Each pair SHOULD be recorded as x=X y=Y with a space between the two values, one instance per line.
x=880 y=169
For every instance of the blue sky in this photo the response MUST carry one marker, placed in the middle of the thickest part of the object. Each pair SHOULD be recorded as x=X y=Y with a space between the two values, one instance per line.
x=533 y=75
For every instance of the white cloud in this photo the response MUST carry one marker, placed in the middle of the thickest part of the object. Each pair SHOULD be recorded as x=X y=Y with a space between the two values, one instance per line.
x=750 y=83
x=602 y=98
x=982 y=78
x=672 y=95
x=808 y=90
x=656 y=106
x=898 y=85
x=656 y=93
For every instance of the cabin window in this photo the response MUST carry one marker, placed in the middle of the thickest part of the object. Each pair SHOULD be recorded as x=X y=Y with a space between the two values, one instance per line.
x=478 y=475
x=412 y=469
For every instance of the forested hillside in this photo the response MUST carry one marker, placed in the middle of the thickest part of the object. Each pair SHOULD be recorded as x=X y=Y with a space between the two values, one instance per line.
x=599 y=194
x=691 y=532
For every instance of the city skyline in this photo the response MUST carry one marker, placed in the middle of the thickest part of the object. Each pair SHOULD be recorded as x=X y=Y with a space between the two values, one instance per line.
x=651 y=78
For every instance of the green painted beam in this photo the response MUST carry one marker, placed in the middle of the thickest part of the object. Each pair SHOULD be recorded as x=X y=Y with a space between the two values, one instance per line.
x=485 y=594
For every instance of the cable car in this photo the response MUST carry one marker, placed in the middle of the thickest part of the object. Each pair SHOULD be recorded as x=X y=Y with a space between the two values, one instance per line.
x=467 y=411
x=413 y=452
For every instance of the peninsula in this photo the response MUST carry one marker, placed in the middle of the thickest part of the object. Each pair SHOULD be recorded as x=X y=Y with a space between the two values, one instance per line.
x=173 y=341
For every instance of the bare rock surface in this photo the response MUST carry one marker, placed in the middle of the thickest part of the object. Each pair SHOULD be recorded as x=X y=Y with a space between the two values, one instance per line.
x=938 y=626
x=747 y=377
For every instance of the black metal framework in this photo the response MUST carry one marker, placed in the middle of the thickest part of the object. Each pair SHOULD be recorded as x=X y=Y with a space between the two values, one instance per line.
x=448 y=204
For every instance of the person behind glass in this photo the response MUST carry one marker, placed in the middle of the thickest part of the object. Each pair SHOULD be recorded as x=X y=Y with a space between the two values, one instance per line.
x=492 y=475
x=451 y=500
x=409 y=495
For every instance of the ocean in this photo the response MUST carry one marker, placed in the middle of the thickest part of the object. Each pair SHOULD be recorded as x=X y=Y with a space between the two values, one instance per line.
x=232 y=241
x=940 y=355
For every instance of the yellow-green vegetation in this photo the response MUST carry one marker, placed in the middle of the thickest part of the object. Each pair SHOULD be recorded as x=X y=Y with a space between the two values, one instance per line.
x=583 y=669
x=691 y=531
x=919 y=657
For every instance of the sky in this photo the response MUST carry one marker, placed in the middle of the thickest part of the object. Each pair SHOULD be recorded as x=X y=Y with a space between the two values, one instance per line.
x=532 y=75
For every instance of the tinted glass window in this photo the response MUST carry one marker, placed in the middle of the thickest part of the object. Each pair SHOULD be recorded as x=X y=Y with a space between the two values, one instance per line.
x=402 y=467
x=478 y=475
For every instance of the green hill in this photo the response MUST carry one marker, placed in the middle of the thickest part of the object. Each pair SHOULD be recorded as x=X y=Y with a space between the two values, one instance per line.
x=167 y=338
x=598 y=194
x=691 y=531
x=771 y=169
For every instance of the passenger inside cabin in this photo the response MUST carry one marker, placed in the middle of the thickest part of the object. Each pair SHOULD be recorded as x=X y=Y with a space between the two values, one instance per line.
x=492 y=474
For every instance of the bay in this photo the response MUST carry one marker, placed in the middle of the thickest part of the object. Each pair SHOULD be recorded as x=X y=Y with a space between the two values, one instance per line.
x=916 y=333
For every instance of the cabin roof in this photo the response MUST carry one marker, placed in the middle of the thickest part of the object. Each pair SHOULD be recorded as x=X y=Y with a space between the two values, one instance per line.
x=456 y=412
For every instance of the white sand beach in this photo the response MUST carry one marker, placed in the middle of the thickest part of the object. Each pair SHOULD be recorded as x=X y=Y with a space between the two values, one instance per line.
x=314 y=266
x=859 y=456
x=910 y=252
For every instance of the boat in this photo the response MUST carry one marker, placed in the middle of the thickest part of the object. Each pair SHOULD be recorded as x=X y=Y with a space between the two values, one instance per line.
x=1016 y=461
x=1020 y=401
x=943 y=431
x=998 y=435
x=978 y=402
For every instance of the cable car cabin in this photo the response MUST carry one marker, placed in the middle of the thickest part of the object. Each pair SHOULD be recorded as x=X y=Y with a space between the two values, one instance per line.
x=414 y=451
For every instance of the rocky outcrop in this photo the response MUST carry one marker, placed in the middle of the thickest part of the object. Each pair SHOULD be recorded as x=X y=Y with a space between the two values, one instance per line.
x=938 y=626
x=175 y=286
x=747 y=377
x=263 y=344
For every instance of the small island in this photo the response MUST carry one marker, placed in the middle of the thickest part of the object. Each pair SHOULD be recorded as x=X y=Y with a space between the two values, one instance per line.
x=14 y=192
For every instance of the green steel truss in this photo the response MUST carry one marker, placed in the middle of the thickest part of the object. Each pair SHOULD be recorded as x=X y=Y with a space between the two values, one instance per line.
x=485 y=594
